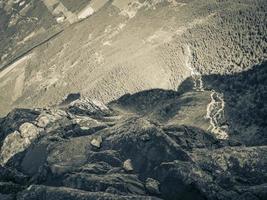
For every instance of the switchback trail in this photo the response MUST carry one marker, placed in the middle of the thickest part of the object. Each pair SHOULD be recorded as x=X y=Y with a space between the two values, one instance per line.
x=215 y=109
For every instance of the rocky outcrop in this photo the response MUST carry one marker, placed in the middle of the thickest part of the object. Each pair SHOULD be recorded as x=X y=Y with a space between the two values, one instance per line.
x=206 y=141
x=18 y=141
x=150 y=145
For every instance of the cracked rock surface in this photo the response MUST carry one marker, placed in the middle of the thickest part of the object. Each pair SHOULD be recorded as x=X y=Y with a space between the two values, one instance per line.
x=154 y=144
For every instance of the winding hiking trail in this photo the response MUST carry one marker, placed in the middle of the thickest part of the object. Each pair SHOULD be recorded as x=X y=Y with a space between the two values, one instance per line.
x=198 y=83
x=215 y=113
x=215 y=109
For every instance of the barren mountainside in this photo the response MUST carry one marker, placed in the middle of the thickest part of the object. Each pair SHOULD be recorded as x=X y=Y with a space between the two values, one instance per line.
x=133 y=99
x=122 y=47
x=155 y=144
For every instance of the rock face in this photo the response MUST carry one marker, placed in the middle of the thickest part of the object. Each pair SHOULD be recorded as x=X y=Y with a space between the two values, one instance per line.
x=152 y=186
x=18 y=141
x=205 y=140
x=154 y=144
x=96 y=142
x=127 y=165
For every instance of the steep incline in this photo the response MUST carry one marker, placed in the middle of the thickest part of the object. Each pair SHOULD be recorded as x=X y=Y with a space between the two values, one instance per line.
x=215 y=113
x=149 y=145
x=125 y=46
x=215 y=109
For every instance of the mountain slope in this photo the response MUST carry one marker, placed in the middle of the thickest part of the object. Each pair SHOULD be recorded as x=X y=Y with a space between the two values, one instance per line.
x=126 y=46
x=133 y=99
x=154 y=144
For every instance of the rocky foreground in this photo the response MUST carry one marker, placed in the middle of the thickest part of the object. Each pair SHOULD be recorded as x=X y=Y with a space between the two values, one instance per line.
x=140 y=146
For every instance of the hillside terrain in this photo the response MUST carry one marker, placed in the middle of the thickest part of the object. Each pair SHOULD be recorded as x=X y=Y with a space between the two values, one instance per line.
x=133 y=99
x=104 y=49
x=150 y=145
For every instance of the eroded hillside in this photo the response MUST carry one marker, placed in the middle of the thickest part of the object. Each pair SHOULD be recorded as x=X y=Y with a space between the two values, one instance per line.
x=155 y=144
x=133 y=99
x=104 y=49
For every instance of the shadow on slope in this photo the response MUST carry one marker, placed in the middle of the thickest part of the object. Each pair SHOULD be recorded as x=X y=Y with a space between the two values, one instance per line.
x=150 y=130
x=245 y=95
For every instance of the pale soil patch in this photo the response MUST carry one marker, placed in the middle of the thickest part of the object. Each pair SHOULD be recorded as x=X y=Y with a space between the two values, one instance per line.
x=160 y=36
x=60 y=9
x=86 y=12
x=17 y=63
x=91 y=8
x=97 y=4
x=19 y=85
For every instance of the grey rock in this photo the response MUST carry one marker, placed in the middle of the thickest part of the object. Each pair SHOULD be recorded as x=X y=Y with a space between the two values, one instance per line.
x=6 y=196
x=128 y=166
x=145 y=154
x=62 y=193
x=97 y=141
x=153 y=186
x=43 y=121
x=18 y=141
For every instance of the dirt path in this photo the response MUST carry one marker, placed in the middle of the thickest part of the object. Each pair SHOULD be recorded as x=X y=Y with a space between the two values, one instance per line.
x=198 y=83
x=215 y=109
x=215 y=112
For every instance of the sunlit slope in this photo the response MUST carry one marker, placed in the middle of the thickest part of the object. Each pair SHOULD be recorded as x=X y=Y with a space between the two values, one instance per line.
x=125 y=47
